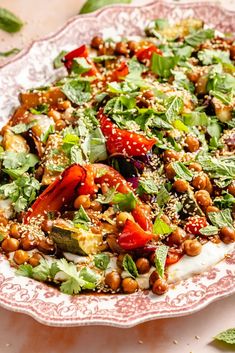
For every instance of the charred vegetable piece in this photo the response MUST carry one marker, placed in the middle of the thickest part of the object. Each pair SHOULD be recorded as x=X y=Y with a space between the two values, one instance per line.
x=133 y=236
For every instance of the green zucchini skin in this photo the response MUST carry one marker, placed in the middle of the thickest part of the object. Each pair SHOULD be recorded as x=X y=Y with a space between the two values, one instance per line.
x=65 y=240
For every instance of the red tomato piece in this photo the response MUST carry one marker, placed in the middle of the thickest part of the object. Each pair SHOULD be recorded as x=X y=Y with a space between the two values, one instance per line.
x=172 y=257
x=121 y=72
x=133 y=236
x=81 y=52
x=194 y=224
x=123 y=141
x=146 y=53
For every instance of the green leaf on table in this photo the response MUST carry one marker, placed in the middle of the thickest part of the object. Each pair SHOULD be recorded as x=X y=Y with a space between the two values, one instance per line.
x=102 y=261
x=130 y=266
x=227 y=336
x=9 y=52
x=160 y=259
x=196 y=38
x=162 y=65
x=222 y=218
x=91 y=5
x=9 y=22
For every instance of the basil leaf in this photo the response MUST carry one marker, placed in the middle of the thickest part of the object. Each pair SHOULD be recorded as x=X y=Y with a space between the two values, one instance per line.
x=182 y=171
x=160 y=259
x=9 y=22
x=77 y=91
x=19 y=128
x=161 y=228
x=227 y=336
x=91 y=5
x=162 y=65
x=102 y=261
x=130 y=266
x=147 y=187
x=57 y=63
x=221 y=219
x=199 y=37
x=174 y=106
x=10 y=52
x=209 y=230
x=163 y=196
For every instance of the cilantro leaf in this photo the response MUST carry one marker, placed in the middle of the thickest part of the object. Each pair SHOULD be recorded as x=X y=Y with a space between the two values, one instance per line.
x=81 y=218
x=25 y=270
x=130 y=266
x=42 y=271
x=102 y=261
x=227 y=336
x=199 y=37
x=16 y=164
x=162 y=65
x=182 y=171
x=160 y=259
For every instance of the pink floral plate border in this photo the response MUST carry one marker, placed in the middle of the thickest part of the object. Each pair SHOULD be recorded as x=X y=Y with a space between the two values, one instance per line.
x=32 y=68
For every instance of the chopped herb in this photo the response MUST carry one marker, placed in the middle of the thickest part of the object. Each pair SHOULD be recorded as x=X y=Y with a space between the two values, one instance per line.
x=195 y=119
x=98 y=59
x=16 y=164
x=161 y=228
x=9 y=22
x=209 y=230
x=77 y=91
x=162 y=196
x=162 y=65
x=102 y=261
x=199 y=37
x=81 y=218
x=160 y=259
x=182 y=171
x=226 y=200
x=80 y=66
x=45 y=135
x=221 y=219
x=174 y=106
x=69 y=141
x=40 y=109
x=147 y=187
x=19 y=128
x=209 y=57
x=130 y=266
x=58 y=60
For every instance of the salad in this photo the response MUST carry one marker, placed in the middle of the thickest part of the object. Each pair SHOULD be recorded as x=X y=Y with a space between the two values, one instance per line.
x=120 y=176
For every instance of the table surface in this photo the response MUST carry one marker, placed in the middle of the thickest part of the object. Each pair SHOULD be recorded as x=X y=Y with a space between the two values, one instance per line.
x=21 y=334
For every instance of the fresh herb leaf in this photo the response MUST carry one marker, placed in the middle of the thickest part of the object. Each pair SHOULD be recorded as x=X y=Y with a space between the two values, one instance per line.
x=9 y=52
x=40 y=109
x=91 y=5
x=45 y=135
x=96 y=146
x=19 y=128
x=17 y=164
x=160 y=259
x=9 y=22
x=199 y=37
x=214 y=129
x=195 y=119
x=220 y=82
x=183 y=52
x=88 y=275
x=81 y=218
x=80 y=66
x=209 y=57
x=179 y=125
x=101 y=58
x=77 y=91
x=162 y=65
x=69 y=141
x=162 y=196
x=225 y=98
x=57 y=63
x=25 y=270
x=221 y=219
x=147 y=187
x=226 y=200
x=125 y=202
x=76 y=155
x=161 y=228
x=227 y=336
x=130 y=266
x=182 y=171
x=174 y=106
x=102 y=261
x=209 y=230
x=2 y=237
x=42 y=271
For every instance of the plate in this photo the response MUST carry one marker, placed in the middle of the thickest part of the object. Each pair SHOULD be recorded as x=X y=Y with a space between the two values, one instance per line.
x=33 y=68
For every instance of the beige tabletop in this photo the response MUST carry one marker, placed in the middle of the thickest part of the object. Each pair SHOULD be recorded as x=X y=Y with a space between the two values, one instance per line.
x=21 y=334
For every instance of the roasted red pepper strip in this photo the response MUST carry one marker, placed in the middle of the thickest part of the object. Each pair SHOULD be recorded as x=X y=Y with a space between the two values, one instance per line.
x=146 y=53
x=123 y=141
x=120 y=72
x=133 y=236
x=81 y=52
x=58 y=194
x=172 y=257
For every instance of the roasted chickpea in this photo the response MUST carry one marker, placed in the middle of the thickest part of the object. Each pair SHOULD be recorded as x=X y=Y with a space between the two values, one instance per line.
x=47 y=225
x=196 y=167
x=177 y=237
x=20 y=257
x=203 y=198
x=192 y=247
x=170 y=172
x=96 y=206
x=199 y=182
x=180 y=185
x=113 y=280
x=148 y=94
x=10 y=244
x=96 y=42
x=142 y=265
x=227 y=234
x=212 y=209
x=46 y=246
x=82 y=200
x=132 y=45
x=55 y=115
x=231 y=188
x=3 y=220
x=209 y=186
x=15 y=230
x=171 y=156
x=35 y=259
x=232 y=52
x=28 y=243
x=153 y=277
x=60 y=125
x=122 y=217
x=129 y=285
x=160 y=286
x=121 y=48
x=192 y=143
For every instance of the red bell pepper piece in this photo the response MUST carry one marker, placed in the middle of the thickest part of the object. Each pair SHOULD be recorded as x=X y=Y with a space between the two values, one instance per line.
x=133 y=236
x=123 y=141
x=146 y=53
x=81 y=52
x=172 y=257
x=60 y=193
x=120 y=72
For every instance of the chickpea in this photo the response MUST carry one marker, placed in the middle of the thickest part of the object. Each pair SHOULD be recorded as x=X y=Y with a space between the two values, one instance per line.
x=10 y=244
x=14 y=230
x=35 y=259
x=82 y=200
x=113 y=280
x=47 y=225
x=153 y=277
x=177 y=236
x=60 y=125
x=192 y=143
x=232 y=52
x=132 y=45
x=142 y=265
x=64 y=105
x=171 y=156
x=54 y=114
x=3 y=220
x=96 y=42
x=196 y=167
x=96 y=206
x=170 y=172
x=212 y=209
x=231 y=188
x=20 y=257
x=160 y=286
x=46 y=246
x=203 y=198
x=122 y=217
x=28 y=243
x=129 y=285
x=121 y=48
x=180 y=185
x=148 y=94
x=209 y=186
x=192 y=247
x=227 y=234
x=199 y=182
